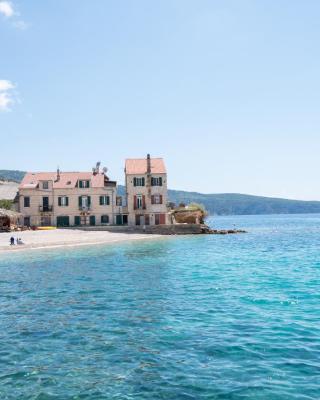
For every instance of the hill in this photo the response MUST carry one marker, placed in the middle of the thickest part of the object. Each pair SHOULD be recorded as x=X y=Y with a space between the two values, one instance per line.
x=216 y=204
x=11 y=175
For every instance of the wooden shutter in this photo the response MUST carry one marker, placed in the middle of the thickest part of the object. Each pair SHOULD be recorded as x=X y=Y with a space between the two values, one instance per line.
x=162 y=219
x=134 y=202
x=59 y=201
x=80 y=184
x=80 y=201
x=101 y=200
x=144 y=201
x=89 y=201
x=160 y=181
x=160 y=198
x=142 y=182
x=134 y=181
x=67 y=201
x=108 y=200
x=152 y=199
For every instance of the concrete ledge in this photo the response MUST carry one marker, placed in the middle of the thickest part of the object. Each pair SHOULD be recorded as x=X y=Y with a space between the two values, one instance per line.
x=176 y=229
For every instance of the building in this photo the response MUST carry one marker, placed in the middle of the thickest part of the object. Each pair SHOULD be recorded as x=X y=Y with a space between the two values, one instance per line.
x=68 y=198
x=146 y=191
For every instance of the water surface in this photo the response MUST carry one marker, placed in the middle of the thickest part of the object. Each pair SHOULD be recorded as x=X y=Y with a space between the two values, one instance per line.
x=198 y=317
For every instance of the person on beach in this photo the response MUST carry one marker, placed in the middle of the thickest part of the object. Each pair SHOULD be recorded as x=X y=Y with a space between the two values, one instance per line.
x=12 y=241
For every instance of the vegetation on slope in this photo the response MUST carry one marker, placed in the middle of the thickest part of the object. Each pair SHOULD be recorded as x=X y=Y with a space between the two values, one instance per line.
x=11 y=175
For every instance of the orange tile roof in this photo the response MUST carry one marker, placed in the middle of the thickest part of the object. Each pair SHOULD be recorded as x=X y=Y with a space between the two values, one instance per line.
x=139 y=166
x=67 y=179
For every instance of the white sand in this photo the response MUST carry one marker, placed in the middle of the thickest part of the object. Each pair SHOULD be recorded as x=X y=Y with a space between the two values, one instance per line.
x=65 y=237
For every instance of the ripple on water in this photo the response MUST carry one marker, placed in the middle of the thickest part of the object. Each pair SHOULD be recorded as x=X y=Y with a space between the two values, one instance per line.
x=206 y=317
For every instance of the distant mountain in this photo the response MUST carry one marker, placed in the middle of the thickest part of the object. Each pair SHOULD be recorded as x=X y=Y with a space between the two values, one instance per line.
x=11 y=175
x=220 y=204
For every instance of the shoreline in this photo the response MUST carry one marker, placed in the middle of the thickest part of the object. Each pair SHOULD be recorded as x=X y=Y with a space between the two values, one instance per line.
x=40 y=240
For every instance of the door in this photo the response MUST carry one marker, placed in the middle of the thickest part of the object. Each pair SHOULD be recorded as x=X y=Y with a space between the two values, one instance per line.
x=92 y=220
x=162 y=219
x=45 y=221
x=77 y=220
x=62 y=221
x=45 y=203
x=157 y=219
x=119 y=219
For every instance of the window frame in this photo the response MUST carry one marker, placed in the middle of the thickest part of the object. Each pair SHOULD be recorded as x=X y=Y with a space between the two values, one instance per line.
x=106 y=216
x=26 y=201
x=139 y=182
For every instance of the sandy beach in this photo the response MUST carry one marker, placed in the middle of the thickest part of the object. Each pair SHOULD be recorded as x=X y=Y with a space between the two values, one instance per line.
x=61 y=238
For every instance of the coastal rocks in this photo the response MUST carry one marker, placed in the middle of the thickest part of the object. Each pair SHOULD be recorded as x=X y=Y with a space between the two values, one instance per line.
x=206 y=230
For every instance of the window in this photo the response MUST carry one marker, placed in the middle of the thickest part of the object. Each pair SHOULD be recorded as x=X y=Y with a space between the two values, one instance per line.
x=104 y=200
x=63 y=201
x=138 y=181
x=139 y=202
x=84 y=184
x=104 y=219
x=156 y=199
x=26 y=201
x=119 y=201
x=156 y=181
x=84 y=202
x=45 y=185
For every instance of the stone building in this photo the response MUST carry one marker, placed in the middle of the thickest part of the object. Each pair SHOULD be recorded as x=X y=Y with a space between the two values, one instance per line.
x=146 y=191
x=67 y=198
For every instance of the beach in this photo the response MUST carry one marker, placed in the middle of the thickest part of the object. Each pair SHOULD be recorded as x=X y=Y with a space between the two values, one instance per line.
x=65 y=237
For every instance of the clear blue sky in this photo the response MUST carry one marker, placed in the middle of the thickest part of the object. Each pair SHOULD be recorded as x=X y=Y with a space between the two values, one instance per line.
x=226 y=91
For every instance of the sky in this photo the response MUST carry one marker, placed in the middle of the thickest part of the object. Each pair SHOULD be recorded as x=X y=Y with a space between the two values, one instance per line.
x=227 y=92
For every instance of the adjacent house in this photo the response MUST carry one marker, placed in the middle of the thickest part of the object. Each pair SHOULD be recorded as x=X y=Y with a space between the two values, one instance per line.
x=147 y=194
x=67 y=198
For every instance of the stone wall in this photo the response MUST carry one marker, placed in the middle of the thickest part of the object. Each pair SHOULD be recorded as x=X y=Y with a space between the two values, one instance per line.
x=177 y=229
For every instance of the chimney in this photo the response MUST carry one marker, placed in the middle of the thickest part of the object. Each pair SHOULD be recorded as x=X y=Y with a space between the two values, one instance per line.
x=58 y=174
x=148 y=164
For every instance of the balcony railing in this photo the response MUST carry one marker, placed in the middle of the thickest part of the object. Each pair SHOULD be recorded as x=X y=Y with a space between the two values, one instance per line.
x=45 y=208
x=84 y=208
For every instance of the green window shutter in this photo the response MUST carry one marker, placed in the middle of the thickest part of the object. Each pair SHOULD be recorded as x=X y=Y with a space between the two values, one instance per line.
x=80 y=184
x=134 y=182
x=89 y=201
x=160 y=181
x=67 y=201
x=108 y=200
x=80 y=201
x=142 y=181
x=59 y=201
x=101 y=200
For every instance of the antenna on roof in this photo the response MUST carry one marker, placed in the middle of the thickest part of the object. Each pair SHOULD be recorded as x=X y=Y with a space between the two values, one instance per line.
x=105 y=170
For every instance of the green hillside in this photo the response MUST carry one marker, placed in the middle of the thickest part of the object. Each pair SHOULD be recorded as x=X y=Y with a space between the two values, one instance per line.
x=221 y=204
x=11 y=175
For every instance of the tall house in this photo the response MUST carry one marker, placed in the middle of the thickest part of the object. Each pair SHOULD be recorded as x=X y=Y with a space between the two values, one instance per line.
x=67 y=198
x=147 y=194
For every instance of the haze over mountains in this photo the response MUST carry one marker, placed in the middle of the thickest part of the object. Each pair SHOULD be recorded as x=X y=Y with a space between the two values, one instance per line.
x=216 y=204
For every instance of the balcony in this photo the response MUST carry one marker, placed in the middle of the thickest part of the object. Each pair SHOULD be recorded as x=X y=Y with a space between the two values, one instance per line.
x=85 y=208
x=45 y=209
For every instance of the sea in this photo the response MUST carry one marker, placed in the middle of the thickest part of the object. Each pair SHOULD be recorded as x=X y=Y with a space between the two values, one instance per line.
x=180 y=317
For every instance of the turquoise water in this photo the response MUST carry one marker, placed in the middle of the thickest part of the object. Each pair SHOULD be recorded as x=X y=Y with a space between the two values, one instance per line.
x=203 y=317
